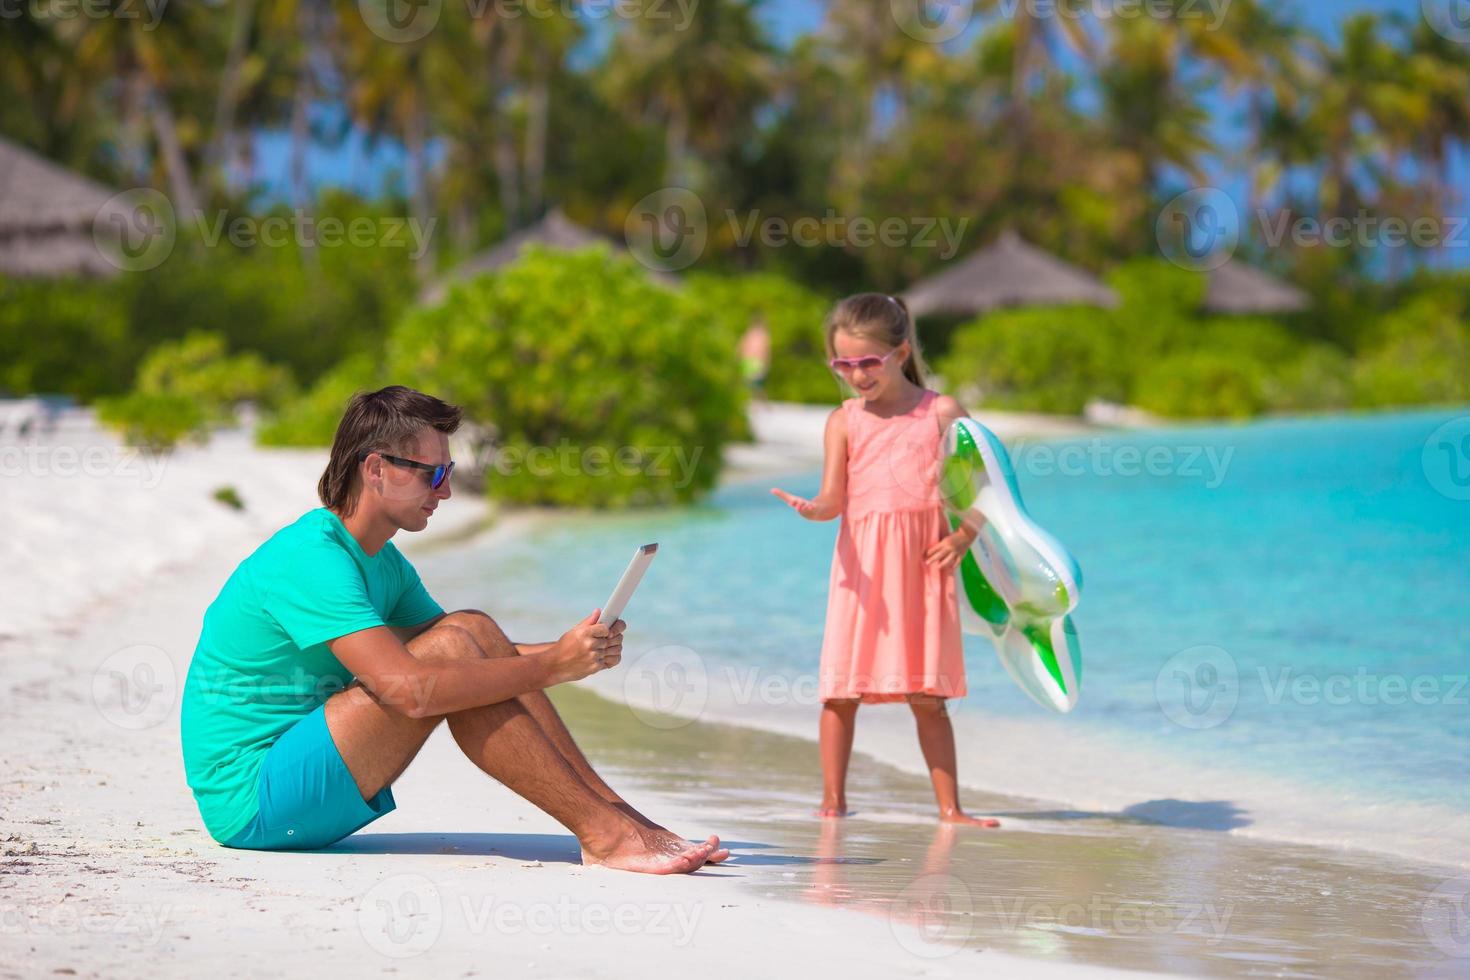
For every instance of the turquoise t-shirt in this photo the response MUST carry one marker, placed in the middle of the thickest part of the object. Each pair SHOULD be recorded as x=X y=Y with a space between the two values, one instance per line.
x=262 y=662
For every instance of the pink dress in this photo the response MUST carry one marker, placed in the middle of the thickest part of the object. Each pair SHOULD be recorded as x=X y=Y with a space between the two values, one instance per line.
x=893 y=622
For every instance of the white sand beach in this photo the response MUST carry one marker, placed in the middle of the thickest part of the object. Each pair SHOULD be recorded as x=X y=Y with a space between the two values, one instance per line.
x=106 y=869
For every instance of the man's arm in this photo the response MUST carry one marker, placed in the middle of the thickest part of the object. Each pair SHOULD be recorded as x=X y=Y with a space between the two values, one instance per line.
x=425 y=689
x=406 y=633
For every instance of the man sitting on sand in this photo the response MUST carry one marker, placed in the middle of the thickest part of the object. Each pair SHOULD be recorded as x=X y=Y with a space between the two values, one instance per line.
x=323 y=665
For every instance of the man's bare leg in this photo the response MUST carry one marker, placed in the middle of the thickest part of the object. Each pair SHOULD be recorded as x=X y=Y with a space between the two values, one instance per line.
x=496 y=644
x=377 y=743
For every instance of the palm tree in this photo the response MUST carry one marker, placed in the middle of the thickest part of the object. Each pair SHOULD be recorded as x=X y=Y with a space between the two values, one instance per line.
x=1365 y=110
x=1440 y=69
x=702 y=84
x=1257 y=50
x=1151 y=108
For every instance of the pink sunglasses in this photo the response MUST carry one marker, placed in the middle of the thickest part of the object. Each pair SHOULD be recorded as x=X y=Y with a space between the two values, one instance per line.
x=871 y=362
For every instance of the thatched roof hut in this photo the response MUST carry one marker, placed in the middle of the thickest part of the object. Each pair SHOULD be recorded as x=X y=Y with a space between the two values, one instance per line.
x=555 y=231
x=46 y=217
x=1008 y=272
x=1237 y=288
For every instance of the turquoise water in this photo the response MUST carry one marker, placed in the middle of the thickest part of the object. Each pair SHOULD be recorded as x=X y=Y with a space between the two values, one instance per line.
x=1321 y=564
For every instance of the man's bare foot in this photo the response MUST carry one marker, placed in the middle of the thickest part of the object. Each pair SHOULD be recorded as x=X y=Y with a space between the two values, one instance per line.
x=960 y=817
x=654 y=852
x=833 y=810
x=640 y=819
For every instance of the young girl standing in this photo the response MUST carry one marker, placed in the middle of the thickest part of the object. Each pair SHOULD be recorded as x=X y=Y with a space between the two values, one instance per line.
x=893 y=628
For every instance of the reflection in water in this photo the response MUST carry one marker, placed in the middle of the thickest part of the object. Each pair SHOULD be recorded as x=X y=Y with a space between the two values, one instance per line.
x=1116 y=888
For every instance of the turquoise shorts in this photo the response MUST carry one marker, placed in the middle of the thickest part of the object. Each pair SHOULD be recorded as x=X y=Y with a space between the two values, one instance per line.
x=307 y=796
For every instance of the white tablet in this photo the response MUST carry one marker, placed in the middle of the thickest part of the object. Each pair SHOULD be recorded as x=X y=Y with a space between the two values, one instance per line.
x=618 y=601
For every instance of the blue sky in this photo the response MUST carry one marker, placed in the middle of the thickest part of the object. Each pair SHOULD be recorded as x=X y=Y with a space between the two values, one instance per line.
x=353 y=166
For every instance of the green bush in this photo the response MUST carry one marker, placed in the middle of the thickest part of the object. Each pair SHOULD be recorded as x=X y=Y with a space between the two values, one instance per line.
x=186 y=387
x=1422 y=355
x=303 y=308
x=156 y=421
x=311 y=419
x=64 y=337
x=1041 y=359
x=1318 y=379
x=601 y=388
x=794 y=316
x=1203 y=384
x=200 y=368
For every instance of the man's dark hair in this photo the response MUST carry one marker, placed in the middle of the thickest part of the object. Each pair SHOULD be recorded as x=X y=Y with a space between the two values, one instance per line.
x=386 y=421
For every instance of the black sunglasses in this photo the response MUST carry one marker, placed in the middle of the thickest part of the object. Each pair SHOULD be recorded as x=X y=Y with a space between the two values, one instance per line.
x=440 y=473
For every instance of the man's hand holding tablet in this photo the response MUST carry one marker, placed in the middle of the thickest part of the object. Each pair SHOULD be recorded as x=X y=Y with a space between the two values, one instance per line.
x=596 y=643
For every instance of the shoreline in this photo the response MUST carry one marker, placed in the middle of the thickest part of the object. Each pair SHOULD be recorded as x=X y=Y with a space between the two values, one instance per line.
x=92 y=837
x=108 y=870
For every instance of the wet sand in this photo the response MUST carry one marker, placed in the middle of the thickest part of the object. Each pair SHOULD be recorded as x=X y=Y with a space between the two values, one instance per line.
x=1113 y=889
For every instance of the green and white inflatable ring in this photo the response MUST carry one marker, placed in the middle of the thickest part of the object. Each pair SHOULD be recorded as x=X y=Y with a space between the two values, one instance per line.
x=1017 y=583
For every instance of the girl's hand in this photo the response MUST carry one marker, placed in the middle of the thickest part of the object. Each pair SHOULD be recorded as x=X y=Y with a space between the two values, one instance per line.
x=949 y=551
x=806 y=508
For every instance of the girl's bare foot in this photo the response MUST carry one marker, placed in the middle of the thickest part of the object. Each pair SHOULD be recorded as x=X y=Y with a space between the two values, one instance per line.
x=833 y=809
x=960 y=817
x=653 y=852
